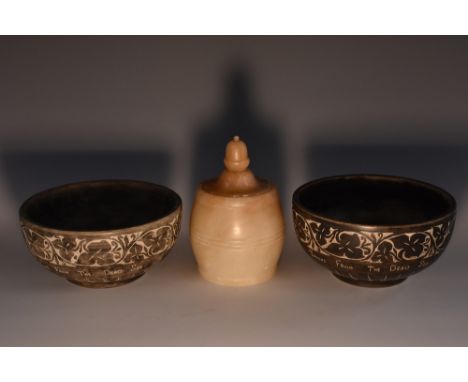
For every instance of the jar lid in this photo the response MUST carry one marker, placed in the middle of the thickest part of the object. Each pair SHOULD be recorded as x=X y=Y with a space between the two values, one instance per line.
x=236 y=179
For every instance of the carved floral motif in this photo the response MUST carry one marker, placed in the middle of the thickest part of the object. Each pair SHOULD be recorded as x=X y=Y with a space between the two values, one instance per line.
x=371 y=247
x=95 y=251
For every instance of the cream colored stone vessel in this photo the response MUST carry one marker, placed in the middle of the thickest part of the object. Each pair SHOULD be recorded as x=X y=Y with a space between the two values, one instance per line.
x=237 y=225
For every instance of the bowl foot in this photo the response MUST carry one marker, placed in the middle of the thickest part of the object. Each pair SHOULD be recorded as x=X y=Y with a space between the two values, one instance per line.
x=369 y=284
x=104 y=285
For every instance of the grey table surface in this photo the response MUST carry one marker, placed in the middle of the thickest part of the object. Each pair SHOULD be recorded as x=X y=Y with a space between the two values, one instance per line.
x=304 y=305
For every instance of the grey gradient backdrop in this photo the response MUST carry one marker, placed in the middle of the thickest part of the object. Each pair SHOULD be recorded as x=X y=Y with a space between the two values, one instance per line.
x=162 y=108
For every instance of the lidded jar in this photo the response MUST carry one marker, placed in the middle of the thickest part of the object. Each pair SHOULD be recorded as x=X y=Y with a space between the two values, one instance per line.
x=237 y=225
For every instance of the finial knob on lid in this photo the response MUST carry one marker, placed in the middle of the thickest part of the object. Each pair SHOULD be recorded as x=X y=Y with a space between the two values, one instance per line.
x=236 y=179
x=236 y=158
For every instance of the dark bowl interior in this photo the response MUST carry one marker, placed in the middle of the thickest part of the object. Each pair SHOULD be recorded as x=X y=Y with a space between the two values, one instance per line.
x=100 y=205
x=374 y=200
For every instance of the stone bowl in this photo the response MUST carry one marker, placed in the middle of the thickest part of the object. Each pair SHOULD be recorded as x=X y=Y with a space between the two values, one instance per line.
x=101 y=234
x=373 y=230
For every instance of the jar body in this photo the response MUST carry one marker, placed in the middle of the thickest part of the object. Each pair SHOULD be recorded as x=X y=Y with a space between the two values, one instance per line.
x=237 y=241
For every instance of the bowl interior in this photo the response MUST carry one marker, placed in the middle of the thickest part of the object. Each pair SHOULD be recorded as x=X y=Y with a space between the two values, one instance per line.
x=100 y=205
x=374 y=200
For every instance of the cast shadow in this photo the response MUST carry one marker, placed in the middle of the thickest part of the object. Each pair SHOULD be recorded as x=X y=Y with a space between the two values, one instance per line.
x=239 y=116
x=444 y=166
x=28 y=172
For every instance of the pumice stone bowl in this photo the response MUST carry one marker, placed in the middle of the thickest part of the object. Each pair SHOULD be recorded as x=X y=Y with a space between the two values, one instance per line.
x=101 y=234
x=373 y=230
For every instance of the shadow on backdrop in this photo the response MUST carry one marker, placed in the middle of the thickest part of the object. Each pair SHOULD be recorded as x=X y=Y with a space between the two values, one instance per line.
x=239 y=116
x=444 y=166
x=28 y=172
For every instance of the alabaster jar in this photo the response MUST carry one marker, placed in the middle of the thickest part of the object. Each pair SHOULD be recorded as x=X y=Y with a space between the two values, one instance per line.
x=237 y=226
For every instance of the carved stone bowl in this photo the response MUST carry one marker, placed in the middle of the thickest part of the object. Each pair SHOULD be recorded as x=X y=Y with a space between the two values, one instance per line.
x=101 y=234
x=373 y=230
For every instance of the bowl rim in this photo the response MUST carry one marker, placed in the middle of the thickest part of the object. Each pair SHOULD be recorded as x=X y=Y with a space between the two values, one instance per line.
x=377 y=227
x=141 y=227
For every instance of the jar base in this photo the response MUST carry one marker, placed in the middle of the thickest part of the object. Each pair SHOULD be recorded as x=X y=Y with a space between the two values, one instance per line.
x=238 y=282
x=369 y=284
